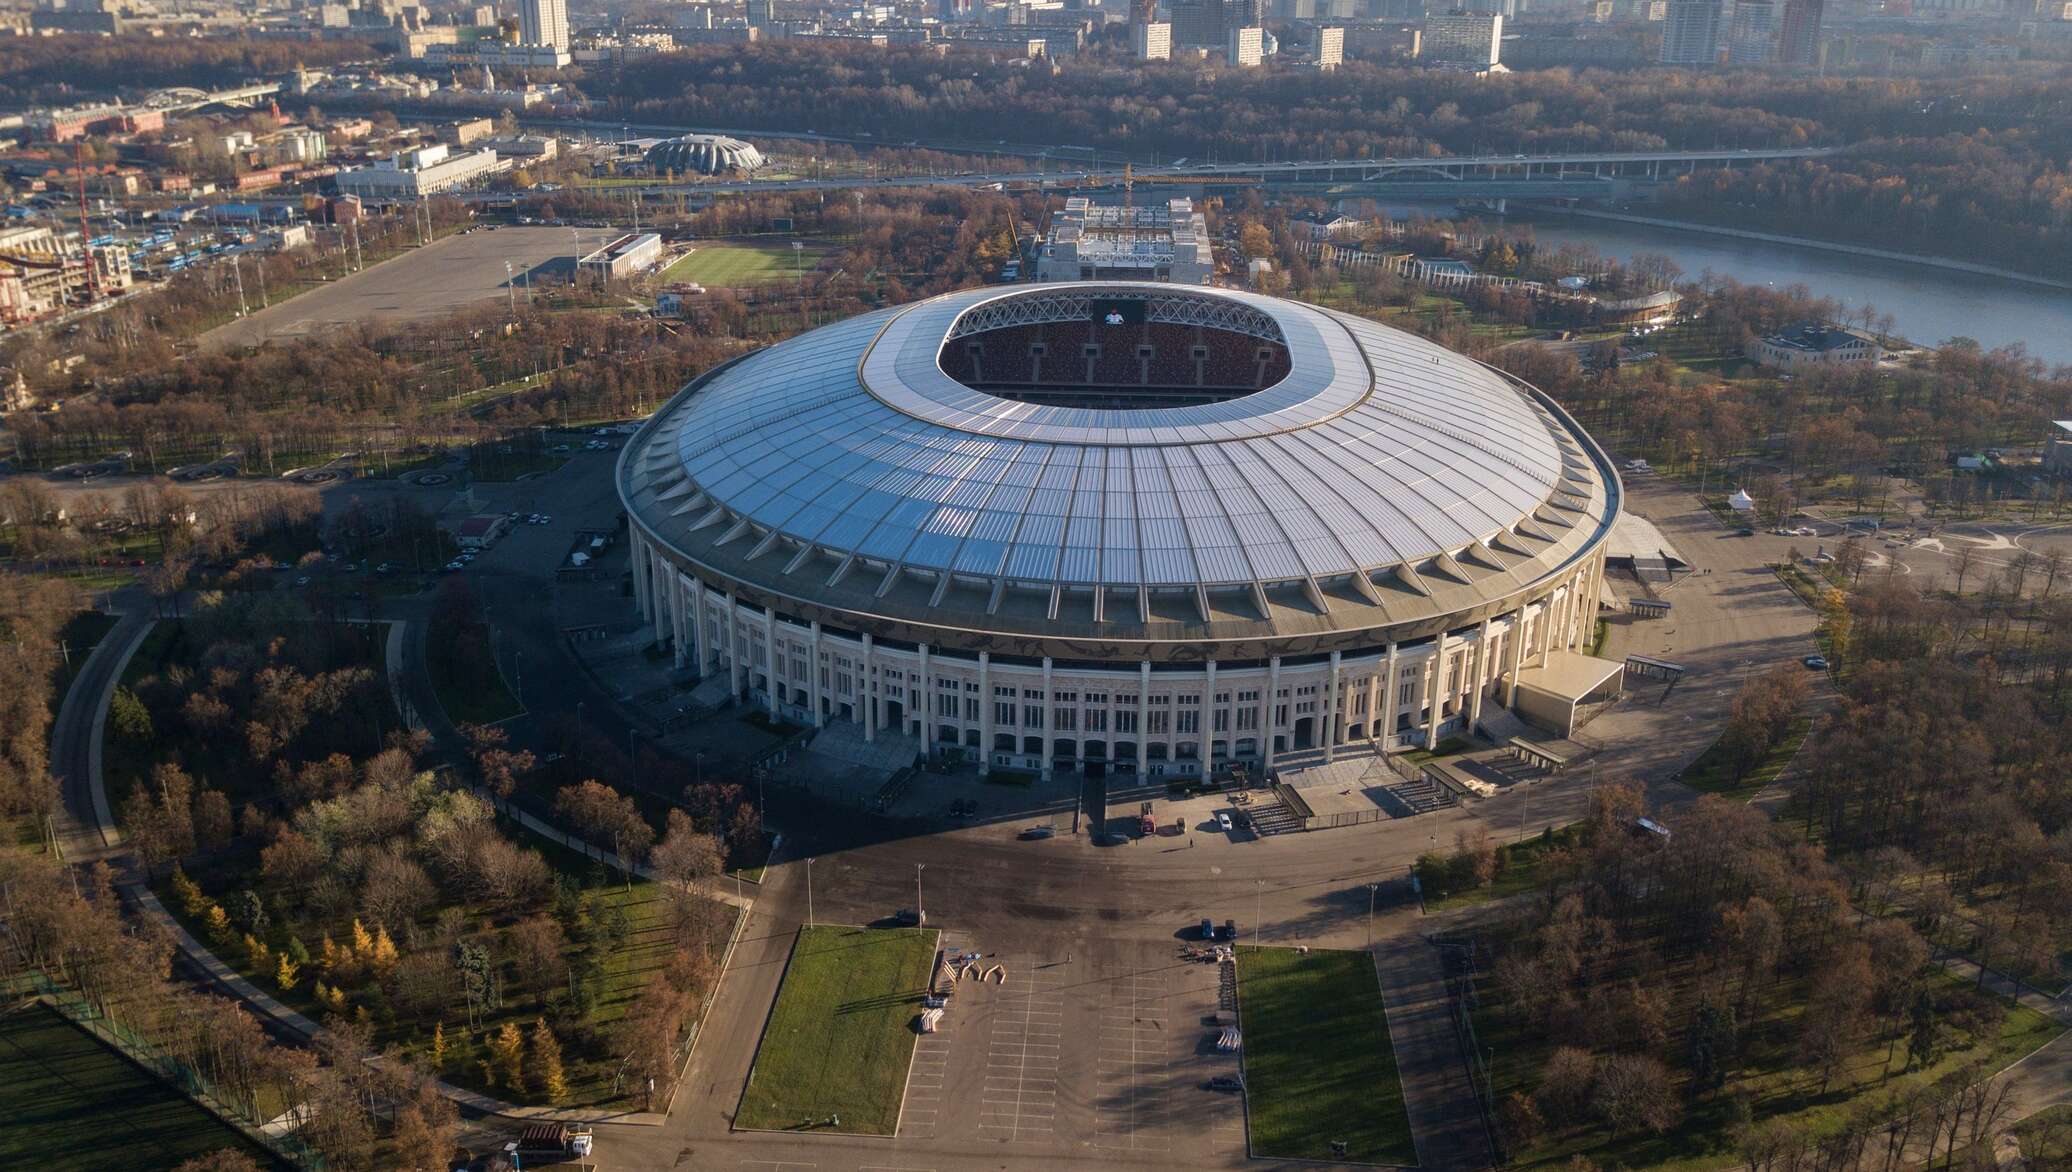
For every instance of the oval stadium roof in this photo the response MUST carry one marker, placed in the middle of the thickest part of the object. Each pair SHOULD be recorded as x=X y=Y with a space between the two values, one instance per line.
x=1376 y=455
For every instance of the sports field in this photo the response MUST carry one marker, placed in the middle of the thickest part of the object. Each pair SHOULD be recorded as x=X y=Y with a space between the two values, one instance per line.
x=67 y=1102
x=725 y=266
x=1318 y=1064
x=841 y=1036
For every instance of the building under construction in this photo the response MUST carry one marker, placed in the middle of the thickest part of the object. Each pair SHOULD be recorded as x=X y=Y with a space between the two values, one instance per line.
x=40 y=274
x=1166 y=241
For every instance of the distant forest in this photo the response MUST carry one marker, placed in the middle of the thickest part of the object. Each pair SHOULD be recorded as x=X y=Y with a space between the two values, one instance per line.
x=1961 y=166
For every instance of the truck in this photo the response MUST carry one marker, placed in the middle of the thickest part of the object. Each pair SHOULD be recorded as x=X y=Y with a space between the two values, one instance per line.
x=1146 y=826
x=555 y=1139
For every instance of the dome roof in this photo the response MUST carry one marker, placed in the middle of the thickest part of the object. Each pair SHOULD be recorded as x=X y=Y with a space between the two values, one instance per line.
x=706 y=154
x=1373 y=468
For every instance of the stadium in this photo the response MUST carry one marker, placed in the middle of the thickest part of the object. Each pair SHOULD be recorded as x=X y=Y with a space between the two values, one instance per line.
x=1124 y=529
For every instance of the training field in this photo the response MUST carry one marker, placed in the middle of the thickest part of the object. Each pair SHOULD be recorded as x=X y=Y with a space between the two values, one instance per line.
x=724 y=266
x=69 y=1103
x=1318 y=1064
x=842 y=1034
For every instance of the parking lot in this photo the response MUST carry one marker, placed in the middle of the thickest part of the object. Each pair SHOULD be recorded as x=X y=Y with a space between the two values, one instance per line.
x=461 y=270
x=1111 y=1046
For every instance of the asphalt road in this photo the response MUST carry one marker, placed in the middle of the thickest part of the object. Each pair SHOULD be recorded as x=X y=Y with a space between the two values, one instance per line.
x=463 y=269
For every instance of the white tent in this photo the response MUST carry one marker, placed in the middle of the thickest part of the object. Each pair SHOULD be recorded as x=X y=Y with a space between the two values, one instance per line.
x=1741 y=502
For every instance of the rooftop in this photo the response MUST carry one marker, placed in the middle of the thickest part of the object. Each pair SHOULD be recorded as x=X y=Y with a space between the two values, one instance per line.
x=1383 y=474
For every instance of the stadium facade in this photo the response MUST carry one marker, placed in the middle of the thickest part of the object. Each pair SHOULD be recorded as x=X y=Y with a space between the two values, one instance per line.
x=1140 y=528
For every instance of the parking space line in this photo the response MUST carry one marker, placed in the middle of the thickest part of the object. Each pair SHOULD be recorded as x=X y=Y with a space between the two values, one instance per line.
x=1132 y=1106
x=1018 y=1100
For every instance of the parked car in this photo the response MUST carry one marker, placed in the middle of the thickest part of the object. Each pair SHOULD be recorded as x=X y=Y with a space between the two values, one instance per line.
x=1815 y=662
x=1208 y=928
x=1035 y=832
x=1223 y=820
x=907 y=917
x=1228 y=931
x=1228 y=1084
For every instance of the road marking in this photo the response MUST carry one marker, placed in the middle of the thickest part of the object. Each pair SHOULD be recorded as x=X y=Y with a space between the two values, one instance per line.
x=1132 y=1106
x=922 y=1107
x=1018 y=1101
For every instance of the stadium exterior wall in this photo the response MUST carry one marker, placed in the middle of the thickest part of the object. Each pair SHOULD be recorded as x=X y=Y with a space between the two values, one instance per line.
x=1146 y=708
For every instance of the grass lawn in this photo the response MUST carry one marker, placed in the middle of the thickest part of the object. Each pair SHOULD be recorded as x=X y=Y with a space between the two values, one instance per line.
x=1318 y=1064
x=1519 y=869
x=468 y=697
x=733 y=265
x=841 y=1035
x=1711 y=774
x=71 y=1103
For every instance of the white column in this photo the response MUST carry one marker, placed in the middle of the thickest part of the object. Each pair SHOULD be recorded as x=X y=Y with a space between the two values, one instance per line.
x=865 y=696
x=658 y=572
x=701 y=643
x=813 y=677
x=1435 y=681
x=926 y=704
x=1481 y=671
x=1387 y=713
x=1514 y=644
x=1269 y=699
x=674 y=599
x=1330 y=721
x=639 y=567
x=985 y=708
x=1048 y=723
x=1208 y=719
x=1143 y=716
x=730 y=618
x=770 y=657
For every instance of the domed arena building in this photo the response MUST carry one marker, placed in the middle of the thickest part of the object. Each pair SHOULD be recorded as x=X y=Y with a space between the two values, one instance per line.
x=1122 y=528
x=703 y=154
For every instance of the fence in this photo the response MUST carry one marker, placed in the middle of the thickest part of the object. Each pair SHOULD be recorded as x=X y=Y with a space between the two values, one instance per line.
x=1462 y=996
x=187 y=1080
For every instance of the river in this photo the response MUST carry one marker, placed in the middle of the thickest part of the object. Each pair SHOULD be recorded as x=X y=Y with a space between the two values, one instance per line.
x=1927 y=305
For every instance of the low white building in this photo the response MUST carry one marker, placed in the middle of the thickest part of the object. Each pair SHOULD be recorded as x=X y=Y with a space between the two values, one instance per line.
x=421 y=172
x=624 y=257
x=1812 y=344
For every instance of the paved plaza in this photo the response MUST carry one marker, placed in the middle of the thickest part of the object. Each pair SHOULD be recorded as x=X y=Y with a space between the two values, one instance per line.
x=461 y=270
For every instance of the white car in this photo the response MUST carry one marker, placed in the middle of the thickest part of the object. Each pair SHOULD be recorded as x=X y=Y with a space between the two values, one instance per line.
x=456 y=565
x=1223 y=820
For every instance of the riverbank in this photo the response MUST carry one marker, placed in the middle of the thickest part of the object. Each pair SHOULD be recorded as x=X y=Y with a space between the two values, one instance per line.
x=1913 y=258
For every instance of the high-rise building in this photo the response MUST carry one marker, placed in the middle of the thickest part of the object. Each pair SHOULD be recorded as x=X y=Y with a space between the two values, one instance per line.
x=544 y=22
x=1151 y=42
x=1798 y=40
x=759 y=13
x=1330 y=47
x=1752 y=32
x=1464 y=38
x=1197 y=22
x=1692 y=33
x=1246 y=47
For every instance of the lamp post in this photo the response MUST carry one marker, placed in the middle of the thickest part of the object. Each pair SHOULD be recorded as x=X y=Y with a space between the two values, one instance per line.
x=510 y=291
x=920 y=912
x=809 y=893
x=1371 y=889
x=1258 y=908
